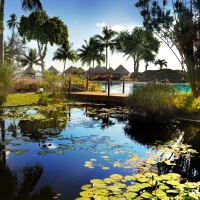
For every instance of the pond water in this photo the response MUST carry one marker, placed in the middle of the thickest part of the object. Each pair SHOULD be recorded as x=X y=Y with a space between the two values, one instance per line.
x=56 y=150
x=130 y=86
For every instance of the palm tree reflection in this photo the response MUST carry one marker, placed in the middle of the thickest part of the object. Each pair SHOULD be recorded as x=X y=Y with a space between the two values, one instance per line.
x=18 y=185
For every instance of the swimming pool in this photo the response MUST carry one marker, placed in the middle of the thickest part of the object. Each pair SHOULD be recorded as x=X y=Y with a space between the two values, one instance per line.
x=117 y=87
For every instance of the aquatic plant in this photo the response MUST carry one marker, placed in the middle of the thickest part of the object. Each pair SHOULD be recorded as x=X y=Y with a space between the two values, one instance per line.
x=140 y=186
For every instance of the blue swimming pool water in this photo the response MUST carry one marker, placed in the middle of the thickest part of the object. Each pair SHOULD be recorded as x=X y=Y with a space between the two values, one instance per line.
x=129 y=86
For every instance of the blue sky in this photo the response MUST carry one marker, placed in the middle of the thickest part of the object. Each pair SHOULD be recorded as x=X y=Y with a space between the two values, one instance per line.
x=84 y=19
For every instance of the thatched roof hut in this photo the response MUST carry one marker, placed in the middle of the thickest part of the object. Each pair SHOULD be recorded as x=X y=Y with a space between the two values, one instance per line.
x=121 y=71
x=97 y=71
x=110 y=70
x=81 y=70
x=53 y=69
x=71 y=69
x=29 y=71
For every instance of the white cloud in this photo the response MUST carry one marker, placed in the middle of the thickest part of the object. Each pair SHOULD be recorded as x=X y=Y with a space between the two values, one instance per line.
x=101 y=25
x=117 y=27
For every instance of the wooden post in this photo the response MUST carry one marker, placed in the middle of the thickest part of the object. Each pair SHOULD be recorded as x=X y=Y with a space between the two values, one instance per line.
x=109 y=89
x=166 y=80
x=156 y=81
x=123 y=89
x=87 y=84
x=69 y=87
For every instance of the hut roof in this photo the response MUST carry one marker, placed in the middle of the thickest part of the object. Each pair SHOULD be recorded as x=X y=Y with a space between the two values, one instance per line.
x=81 y=69
x=53 y=69
x=99 y=70
x=121 y=70
x=70 y=69
x=28 y=70
x=110 y=70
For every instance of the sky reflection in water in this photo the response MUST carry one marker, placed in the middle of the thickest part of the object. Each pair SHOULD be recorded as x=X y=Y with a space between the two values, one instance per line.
x=85 y=136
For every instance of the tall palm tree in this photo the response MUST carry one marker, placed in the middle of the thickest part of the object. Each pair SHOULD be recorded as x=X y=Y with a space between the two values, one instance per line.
x=139 y=45
x=64 y=53
x=84 y=55
x=148 y=57
x=30 y=59
x=27 y=5
x=106 y=41
x=12 y=23
x=91 y=52
x=161 y=63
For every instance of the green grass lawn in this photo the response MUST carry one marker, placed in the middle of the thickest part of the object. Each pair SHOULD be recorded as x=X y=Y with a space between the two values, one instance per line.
x=22 y=99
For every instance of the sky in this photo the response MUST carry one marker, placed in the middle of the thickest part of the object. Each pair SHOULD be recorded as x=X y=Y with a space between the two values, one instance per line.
x=84 y=19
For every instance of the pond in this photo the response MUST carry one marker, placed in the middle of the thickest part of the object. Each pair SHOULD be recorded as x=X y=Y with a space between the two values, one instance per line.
x=53 y=151
x=117 y=87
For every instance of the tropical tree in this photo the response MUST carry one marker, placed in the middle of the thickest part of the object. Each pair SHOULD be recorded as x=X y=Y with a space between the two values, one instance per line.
x=106 y=41
x=149 y=57
x=30 y=59
x=6 y=80
x=179 y=29
x=7 y=54
x=16 y=45
x=91 y=52
x=140 y=44
x=161 y=63
x=12 y=23
x=45 y=30
x=64 y=53
x=27 y=5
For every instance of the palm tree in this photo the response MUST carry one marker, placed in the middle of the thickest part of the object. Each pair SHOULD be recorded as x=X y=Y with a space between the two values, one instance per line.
x=91 y=52
x=106 y=42
x=27 y=5
x=160 y=62
x=148 y=57
x=64 y=53
x=12 y=23
x=30 y=59
x=139 y=44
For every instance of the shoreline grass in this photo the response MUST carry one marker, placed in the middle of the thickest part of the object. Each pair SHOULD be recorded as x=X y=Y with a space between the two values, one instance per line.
x=22 y=99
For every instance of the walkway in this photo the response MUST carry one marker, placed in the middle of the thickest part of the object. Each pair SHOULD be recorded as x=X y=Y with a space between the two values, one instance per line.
x=100 y=97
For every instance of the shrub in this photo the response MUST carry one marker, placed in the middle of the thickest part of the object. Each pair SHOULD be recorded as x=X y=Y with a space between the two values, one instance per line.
x=187 y=103
x=154 y=100
x=6 y=80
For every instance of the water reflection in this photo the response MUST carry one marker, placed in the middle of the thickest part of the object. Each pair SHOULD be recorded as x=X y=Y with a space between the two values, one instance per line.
x=18 y=184
x=55 y=119
x=184 y=132
x=72 y=137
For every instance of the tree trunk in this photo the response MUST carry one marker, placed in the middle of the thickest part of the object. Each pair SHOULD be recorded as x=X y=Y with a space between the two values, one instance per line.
x=106 y=60
x=42 y=50
x=1 y=30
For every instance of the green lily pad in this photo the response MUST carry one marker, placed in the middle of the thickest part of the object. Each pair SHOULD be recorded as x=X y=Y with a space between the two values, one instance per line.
x=116 y=176
x=59 y=152
x=146 y=195
x=86 y=194
x=42 y=153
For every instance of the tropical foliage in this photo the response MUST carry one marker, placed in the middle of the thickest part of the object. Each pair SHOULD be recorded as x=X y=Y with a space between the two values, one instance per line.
x=30 y=59
x=152 y=100
x=161 y=63
x=91 y=52
x=45 y=30
x=27 y=5
x=6 y=80
x=187 y=103
x=139 y=45
x=106 y=41
x=64 y=53
x=179 y=29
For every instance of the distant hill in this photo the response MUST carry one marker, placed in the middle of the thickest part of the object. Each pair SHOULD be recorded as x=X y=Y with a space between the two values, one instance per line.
x=173 y=76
